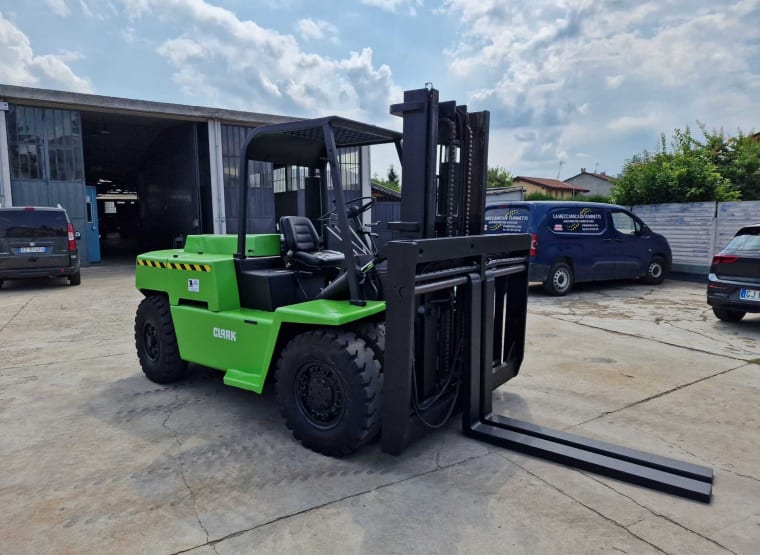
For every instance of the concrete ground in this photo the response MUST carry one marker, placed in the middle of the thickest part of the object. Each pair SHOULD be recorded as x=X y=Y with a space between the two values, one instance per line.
x=94 y=458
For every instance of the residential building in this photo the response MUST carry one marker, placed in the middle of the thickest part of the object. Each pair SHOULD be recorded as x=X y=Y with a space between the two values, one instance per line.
x=596 y=183
x=552 y=187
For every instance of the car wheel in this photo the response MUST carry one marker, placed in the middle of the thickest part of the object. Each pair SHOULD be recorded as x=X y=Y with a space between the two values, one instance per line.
x=560 y=279
x=1 y=283
x=656 y=271
x=75 y=279
x=728 y=315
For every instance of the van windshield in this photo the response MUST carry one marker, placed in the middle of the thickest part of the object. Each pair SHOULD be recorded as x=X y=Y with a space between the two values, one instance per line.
x=32 y=224
x=507 y=219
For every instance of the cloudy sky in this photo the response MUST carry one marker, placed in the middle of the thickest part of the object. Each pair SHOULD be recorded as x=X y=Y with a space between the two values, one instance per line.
x=569 y=83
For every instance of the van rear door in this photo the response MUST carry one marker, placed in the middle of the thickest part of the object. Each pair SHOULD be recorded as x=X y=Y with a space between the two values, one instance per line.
x=507 y=218
x=34 y=238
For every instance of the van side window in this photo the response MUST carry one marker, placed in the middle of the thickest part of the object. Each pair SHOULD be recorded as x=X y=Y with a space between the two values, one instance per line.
x=625 y=224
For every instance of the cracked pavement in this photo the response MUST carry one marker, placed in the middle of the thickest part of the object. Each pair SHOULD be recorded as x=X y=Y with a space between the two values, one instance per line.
x=96 y=458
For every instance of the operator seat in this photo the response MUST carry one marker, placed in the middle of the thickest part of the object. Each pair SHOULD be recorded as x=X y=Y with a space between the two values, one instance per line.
x=302 y=244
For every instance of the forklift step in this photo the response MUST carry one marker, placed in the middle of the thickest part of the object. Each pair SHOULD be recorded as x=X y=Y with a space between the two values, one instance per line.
x=621 y=463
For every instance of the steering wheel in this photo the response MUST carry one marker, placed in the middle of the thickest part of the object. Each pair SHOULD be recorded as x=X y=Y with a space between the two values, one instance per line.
x=351 y=208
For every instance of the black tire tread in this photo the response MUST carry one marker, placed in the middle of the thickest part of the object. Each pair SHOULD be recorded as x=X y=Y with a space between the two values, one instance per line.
x=172 y=368
x=656 y=281
x=728 y=315
x=75 y=279
x=373 y=334
x=549 y=283
x=364 y=378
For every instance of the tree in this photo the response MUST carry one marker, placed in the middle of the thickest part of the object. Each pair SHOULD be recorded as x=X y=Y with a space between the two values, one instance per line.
x=499 y=177
x=737 y=159
x=392 y=175
x=686 y=173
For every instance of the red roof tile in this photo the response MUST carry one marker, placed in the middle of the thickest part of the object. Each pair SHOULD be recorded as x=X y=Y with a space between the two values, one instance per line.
x=549 y=183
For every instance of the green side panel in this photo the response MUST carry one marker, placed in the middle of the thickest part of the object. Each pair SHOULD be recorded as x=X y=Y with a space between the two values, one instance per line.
x=240 y=342
x=201 y=278
x=255 y=245
x=324 y=312
x=149 y=275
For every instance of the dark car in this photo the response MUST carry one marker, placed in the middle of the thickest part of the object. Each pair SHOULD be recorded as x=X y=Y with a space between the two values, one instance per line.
x=733 y=286
x=38 y=242
x=574 y=242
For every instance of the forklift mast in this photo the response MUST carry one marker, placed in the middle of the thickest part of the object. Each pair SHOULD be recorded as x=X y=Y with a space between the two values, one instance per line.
x=444 y=165
x=456 y=306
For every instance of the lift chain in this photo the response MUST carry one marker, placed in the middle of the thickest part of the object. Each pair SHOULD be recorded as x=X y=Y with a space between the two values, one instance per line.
x=452 y=180
x=468 y=186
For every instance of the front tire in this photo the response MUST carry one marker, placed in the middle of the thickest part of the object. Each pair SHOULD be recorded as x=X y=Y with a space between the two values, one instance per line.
x=329 y=387
x=156 y=341
x=728 y=315
x=656 y=271
x=560 y=279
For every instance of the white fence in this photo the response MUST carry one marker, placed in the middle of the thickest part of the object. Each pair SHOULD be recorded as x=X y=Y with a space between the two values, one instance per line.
x=697 y=230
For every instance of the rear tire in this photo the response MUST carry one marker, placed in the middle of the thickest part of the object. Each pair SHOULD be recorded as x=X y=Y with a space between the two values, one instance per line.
x=1 y=283
x=728 y=315
x=156 y=341
x=328 y=384
x=75 y=279
x=656 y=271
x=560 y=279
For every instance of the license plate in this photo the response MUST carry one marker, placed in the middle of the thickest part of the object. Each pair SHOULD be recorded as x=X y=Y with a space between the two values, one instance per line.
x=25 y=250
x=749 y=295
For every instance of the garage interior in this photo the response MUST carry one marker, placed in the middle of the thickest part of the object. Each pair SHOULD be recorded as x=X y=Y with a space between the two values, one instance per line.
x=152 y=180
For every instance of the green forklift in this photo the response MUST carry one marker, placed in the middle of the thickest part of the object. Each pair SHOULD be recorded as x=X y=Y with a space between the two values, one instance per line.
x=364 y=341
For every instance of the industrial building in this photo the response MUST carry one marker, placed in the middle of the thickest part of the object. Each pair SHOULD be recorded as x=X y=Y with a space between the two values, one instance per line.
x=136 y=175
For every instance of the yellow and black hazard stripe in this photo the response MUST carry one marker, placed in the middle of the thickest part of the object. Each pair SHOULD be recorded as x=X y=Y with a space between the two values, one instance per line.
x=174 y=265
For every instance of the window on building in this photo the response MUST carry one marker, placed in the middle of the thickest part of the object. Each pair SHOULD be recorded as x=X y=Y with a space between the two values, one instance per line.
x=349 y=161
x=44 y=143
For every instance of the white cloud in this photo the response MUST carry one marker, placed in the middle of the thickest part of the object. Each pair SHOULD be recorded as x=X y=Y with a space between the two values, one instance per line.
x=19 y=65
x=614 y=81
x=543 y=65
x=627 y=123
x=59 y=7
x=237 y=63
x=315 y=29
x=393 y=5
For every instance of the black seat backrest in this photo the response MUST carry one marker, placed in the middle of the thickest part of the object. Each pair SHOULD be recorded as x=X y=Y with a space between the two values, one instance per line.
x=299 y=234
x=302 y=244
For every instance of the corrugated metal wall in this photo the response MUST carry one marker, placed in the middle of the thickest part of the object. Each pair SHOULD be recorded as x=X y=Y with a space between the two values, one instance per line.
x=689 y=228
x=385 y=212
x=732 y=216
x=697 y=230
x=45 y=151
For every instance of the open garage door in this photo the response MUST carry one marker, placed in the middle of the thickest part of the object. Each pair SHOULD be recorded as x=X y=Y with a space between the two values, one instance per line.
x=152 y=180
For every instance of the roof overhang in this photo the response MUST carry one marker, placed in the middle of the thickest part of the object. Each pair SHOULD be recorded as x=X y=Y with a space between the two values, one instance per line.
x=96 y=103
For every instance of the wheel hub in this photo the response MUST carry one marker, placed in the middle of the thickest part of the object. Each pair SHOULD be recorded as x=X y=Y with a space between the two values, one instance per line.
x=150 y=340
x=319 y=395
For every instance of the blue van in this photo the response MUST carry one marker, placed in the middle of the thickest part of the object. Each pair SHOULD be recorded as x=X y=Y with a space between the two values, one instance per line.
x=574 y=242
